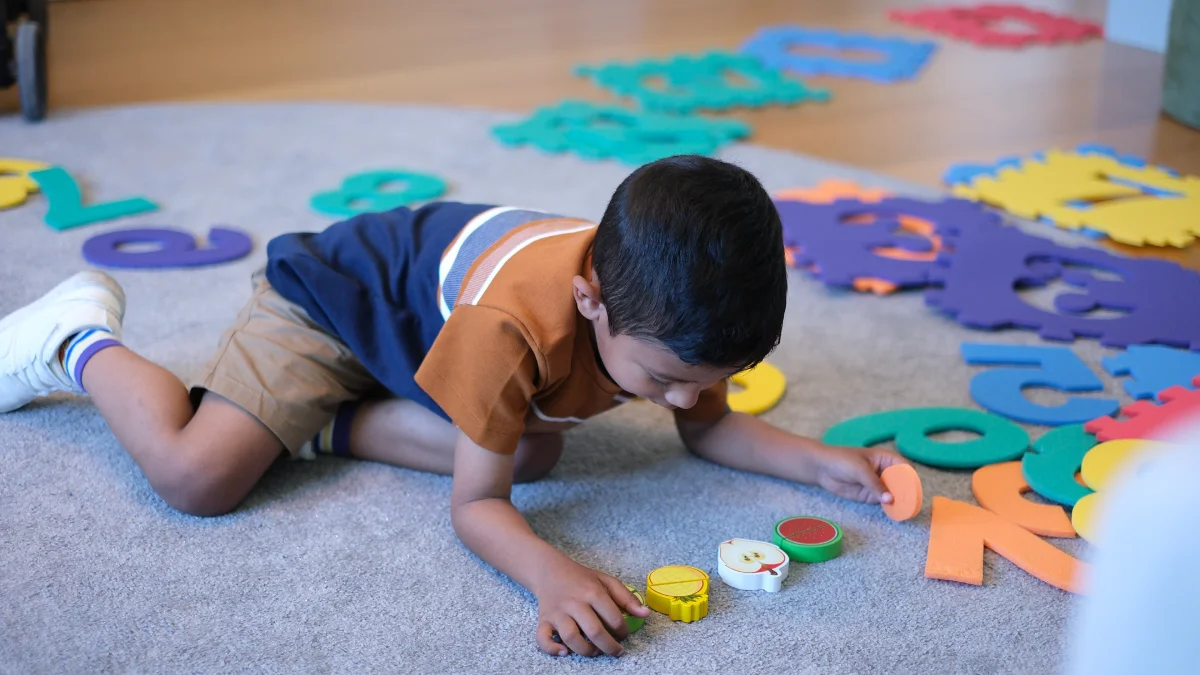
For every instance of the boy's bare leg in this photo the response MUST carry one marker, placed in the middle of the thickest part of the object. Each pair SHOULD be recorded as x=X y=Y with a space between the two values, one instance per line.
x=404 y=433
x=203 y=463
x=69 y=340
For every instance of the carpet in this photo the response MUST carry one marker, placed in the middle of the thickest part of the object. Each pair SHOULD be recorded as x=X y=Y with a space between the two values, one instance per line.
x=345 y=566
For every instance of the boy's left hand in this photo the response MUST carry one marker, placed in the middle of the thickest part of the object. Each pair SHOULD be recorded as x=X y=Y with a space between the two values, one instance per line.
x=853 y=473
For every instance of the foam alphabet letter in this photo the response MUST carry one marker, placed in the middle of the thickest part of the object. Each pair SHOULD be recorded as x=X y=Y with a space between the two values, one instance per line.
x=66 y=202
x=175 y=248
x=999 y=389
x=959 y=532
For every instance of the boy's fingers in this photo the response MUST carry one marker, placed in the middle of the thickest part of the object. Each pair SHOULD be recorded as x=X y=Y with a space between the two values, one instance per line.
x=591 y=625
x=545 y=640
x=568 y=632
x=624 y=599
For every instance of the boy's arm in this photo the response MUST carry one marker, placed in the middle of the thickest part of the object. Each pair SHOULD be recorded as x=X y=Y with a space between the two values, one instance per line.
x=744 y=442
x=577 y=603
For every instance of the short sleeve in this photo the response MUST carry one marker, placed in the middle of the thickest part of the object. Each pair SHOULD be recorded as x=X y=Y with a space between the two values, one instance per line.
x=711 y=405
x=482 y=370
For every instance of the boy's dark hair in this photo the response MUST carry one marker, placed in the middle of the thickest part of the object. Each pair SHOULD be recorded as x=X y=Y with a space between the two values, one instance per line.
x=689 y=253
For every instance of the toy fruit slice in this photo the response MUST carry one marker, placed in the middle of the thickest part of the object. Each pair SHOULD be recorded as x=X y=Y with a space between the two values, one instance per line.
x=634 y=623
x=751 y=565
x=679 y=591
x=809 y=539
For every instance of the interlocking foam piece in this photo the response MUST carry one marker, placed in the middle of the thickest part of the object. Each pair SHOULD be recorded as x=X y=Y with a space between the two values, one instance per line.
x=958 y=533
x=15 y=183
x=897 y=58
x=1050 y=466
x=66 y=202
x=1149 y=421
x=692 y=82
x=966 y=172
x=976 y=24
x=902 y=481
x=998 y=488
x=999 y=440
x=1130 y=204
x=833 y=238
x=831 y=190
x=176 y=248
x=983 y=266
x=1000 y=390
x=762 y=388
x=595 y=131
x=1101 y=466
x=1153 y=368
x=364 y=192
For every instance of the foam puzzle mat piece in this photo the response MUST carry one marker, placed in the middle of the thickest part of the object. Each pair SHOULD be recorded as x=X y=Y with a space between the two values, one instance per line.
x=595 y=131
x=709 y=81
x=1051 y=465
x=1130 y=204
x=1102 y=465
x=371 y=191
x=808 y=539
x=999 y=441
x=1153 y=368
x=750 y=565
x=958 y=533
x=979 y=25
x=66 y=202
x=999 y=390
x=679 y=591
x=175 y=248
x=888 y=240
x=998 y=488
x=1149 y=421
x=893 y=58
x=982 y=269
x=762 y=388
x=15 y=183
x=902 y=481
x=831 y=190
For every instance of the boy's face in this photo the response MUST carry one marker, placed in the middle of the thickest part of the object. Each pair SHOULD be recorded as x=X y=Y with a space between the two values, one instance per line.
x=643 y=367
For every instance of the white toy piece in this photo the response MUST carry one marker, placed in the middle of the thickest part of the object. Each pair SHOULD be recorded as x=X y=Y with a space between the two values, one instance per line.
x=751 y=565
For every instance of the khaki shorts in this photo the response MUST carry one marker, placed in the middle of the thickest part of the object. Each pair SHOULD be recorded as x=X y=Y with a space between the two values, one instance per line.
x=283 y=368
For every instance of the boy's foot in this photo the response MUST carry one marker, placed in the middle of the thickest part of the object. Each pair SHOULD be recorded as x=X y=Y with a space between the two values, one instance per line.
x=31 y=337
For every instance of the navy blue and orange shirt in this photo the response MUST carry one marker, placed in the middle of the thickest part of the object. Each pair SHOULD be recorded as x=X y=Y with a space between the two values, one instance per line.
x=466 y=309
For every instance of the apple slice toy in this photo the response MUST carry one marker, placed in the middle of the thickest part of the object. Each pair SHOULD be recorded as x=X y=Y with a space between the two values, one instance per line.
x=750 y=565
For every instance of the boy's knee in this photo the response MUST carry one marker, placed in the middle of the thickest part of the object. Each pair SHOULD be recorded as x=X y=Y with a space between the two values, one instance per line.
x=536 y=456
x=197 y=484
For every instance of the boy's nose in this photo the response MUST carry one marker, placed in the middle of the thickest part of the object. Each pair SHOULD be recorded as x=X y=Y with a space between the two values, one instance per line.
x=683 y=396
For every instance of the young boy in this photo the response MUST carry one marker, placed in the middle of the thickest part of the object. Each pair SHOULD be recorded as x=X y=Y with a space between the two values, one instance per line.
x=463 y=340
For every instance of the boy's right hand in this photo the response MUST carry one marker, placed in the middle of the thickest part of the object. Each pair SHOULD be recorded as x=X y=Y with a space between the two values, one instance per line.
x=581 y=604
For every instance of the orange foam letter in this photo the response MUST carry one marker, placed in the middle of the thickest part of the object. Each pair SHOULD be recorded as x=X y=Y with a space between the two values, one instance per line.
x=998 y=488
x=959 y=532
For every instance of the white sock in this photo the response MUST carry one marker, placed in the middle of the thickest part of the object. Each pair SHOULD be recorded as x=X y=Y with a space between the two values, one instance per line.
x=81 y=348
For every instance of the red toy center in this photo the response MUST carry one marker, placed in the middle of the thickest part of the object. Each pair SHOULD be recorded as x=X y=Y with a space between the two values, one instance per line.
x=807 y=531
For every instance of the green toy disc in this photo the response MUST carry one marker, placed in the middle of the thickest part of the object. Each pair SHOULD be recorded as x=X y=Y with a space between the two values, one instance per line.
x=809 y=539
x=634 y=623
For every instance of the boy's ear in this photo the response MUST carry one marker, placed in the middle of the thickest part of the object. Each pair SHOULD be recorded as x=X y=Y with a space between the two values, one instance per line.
x=587 y=298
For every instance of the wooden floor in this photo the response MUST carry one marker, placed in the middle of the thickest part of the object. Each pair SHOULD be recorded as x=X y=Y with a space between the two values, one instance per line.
x=969 y=104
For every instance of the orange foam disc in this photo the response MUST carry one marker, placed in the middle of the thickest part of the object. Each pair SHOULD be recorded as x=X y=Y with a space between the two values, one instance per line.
x=905 y=485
